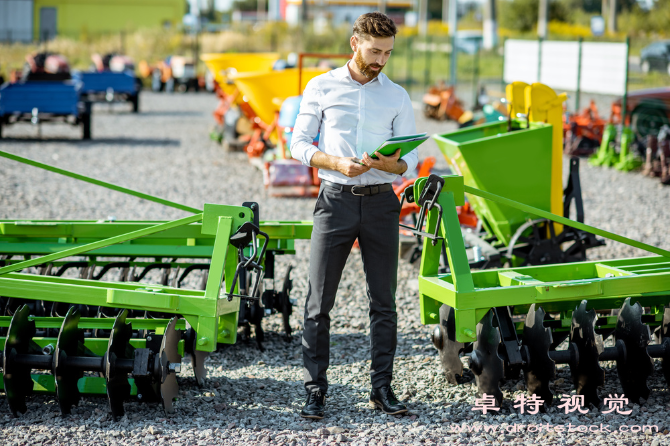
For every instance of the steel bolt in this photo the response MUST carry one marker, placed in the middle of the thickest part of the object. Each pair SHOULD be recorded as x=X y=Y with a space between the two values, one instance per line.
x=139 y=396
x=469 y=333
x=203 y=341
x=174 y=367
x=148 y=338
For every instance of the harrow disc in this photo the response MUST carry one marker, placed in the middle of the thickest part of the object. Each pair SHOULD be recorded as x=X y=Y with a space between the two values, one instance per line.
x=118 y=388
x=168 y=358
x=487 y=366
x=197 y=357
x=17 y=380
x=665 y=334
x=541 y=369
x=444 y=339
x=69 y=338
x=286 y=306
x=635 y=367
x=587 y=375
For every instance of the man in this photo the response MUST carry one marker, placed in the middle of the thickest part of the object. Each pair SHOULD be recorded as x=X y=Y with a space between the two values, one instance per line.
x=355 y=108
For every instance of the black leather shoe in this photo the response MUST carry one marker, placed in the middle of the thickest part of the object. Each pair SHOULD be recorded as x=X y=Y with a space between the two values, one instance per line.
x=315 y=406
x=383 y=398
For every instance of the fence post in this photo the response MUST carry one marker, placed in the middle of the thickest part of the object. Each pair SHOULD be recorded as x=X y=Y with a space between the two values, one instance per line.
x=426 y=69
x=502 y=78
x=624 y=99
x=453 y=65
x=475 y=78
x=539 y=59
x=579 y=75
x=408 y=57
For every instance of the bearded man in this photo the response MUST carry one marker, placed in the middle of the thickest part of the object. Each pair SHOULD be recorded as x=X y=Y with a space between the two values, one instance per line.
x=355 y=108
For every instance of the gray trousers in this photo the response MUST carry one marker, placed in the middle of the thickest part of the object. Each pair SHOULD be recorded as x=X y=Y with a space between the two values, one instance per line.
x=339 y=219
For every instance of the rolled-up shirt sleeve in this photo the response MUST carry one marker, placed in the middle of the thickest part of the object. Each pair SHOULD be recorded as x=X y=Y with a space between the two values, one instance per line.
x=307 y=125
x=404 y=124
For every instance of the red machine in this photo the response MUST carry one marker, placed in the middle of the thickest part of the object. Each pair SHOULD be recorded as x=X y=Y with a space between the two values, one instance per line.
x=582 y=133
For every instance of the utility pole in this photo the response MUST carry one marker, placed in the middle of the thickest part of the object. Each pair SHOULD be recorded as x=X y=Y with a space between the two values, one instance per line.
x=445 y=12
x=490 y=25
x=611 y=23
x=423 y=18
x=453 y=26
x=382 y=6
x=542 y=19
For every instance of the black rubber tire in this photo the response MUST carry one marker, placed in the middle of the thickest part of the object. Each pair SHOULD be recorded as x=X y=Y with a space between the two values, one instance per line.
x=647 y=120
x=135 y=100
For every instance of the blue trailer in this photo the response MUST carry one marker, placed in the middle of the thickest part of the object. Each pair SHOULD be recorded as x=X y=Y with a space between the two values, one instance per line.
x=44 y=101
x=110 y=86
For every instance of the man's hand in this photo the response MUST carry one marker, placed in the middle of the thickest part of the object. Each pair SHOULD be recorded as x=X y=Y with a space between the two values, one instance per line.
x=391 y=163
x=351 y=167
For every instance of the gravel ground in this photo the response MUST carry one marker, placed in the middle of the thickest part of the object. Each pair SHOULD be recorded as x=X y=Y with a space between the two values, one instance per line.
x=253 y=397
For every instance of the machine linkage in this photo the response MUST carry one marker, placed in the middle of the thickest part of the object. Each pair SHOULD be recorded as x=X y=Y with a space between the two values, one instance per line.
x=504 y=348
x=153 y=368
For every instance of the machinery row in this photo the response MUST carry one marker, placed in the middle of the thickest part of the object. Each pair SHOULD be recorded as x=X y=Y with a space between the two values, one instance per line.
x=505 y=285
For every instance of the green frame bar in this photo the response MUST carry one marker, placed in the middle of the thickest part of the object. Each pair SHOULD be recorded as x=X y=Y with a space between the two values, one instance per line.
x=557 y=288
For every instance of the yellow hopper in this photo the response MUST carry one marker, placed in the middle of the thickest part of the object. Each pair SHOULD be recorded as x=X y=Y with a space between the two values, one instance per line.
x=223 y=64
x=265 y=91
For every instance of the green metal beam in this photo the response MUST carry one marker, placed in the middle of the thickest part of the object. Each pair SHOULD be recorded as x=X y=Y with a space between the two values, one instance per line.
x=100 y=244
x=105 y=184
x=566 y=221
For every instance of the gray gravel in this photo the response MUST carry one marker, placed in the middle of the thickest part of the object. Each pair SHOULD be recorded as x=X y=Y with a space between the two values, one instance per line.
x=252 y=397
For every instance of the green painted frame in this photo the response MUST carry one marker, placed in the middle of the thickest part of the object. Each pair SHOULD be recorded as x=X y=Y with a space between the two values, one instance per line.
x=557 y=288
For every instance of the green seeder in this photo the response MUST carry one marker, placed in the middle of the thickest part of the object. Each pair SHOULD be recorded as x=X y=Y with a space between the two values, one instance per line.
x=514 y=319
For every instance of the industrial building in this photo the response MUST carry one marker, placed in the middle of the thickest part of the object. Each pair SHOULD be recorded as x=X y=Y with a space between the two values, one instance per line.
x=28 y=20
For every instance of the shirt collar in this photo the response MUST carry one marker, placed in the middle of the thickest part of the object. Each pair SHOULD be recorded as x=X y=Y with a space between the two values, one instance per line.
x=343 y=73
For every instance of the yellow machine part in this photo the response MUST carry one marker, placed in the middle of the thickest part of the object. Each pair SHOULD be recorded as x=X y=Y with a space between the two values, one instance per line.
x=221 y=65
x=516 y=98
x=265 y=91
x=544 y=105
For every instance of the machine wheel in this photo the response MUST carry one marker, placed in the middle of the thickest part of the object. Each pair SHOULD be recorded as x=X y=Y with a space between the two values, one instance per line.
x=648 y=121
x=86 y=121
x=156 y=83
x=645 y=67
x=169 y=85
x=135 y=100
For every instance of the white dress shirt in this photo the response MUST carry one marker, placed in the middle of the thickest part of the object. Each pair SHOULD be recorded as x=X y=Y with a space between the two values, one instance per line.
x=352 y=119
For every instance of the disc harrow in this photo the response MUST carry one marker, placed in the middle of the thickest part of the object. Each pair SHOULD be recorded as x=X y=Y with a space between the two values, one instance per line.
x=530 y=319
x=68 y=329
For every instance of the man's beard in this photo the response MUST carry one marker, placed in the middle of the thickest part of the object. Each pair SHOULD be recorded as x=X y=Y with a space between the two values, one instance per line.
x=365 y=68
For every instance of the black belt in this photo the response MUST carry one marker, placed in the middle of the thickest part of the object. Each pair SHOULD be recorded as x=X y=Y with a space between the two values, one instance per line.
x=360 y=190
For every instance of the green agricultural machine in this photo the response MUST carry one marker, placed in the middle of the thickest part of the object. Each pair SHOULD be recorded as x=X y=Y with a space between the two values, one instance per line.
x=514 y=319
x=182 y=287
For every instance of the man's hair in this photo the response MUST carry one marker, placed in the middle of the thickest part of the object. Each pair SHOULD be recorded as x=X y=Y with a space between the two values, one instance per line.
x=374 y=24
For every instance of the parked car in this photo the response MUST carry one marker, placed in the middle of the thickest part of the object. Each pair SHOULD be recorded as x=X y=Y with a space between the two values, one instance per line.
x=656 y=57
x=646 y=110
